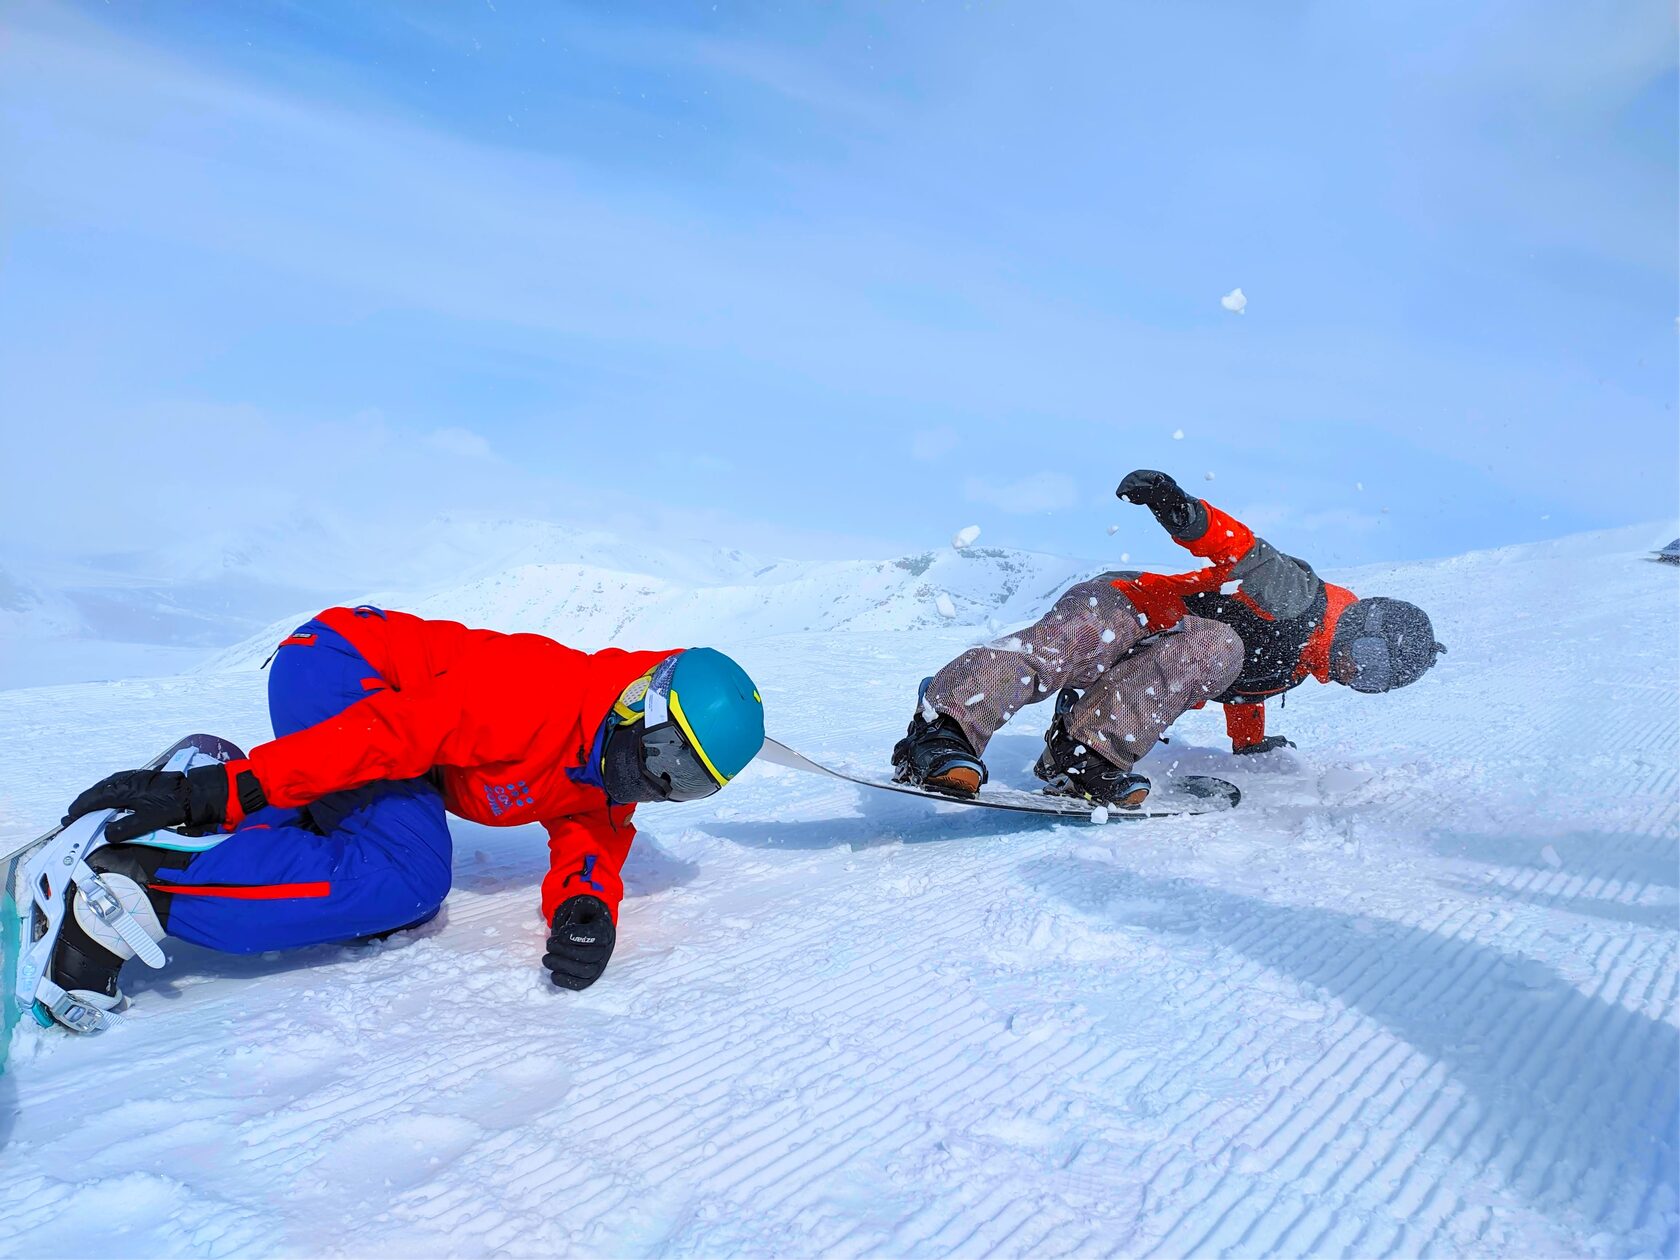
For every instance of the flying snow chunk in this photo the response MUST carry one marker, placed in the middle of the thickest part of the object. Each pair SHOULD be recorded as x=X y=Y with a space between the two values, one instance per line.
x=1550 y=857
x=1113 y=530
x=946 y=608
x=1207 y=476
x=1178 y=435
x=965 y=536
x=1099 y=814
x=1235 y=301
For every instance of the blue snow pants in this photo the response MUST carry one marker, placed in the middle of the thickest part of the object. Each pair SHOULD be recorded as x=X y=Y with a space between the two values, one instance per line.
x=355 y=863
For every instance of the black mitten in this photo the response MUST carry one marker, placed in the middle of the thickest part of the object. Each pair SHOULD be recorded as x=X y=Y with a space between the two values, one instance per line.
x=580 y=942
x=1269 y=744
x=1176 y=511
x=196 y=801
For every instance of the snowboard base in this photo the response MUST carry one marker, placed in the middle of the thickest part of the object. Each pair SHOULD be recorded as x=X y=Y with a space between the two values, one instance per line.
x=1172 y=797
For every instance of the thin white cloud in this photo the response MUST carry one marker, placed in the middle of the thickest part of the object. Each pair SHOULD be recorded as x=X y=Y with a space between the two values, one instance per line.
x=463 y=443
x=1041 y=492
x=702 y=308
x=1282 y=523
x=930 y=444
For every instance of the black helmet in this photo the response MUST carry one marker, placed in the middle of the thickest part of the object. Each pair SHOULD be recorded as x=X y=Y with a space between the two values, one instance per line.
x=1381 y=644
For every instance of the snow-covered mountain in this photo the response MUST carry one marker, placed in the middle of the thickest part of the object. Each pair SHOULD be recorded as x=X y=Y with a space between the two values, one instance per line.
x=222 y=600
x=592 y=607
x=27 y=610
x=164 y=605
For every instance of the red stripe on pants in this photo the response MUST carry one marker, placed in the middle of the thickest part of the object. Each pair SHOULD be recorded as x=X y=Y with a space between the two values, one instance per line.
x=246 y=892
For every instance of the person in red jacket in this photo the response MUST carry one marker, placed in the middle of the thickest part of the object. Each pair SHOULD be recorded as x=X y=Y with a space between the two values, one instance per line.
x=1127 y=653
x=336 y=829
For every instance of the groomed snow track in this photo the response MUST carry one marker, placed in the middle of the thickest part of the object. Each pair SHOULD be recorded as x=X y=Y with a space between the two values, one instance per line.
x=1418 y=996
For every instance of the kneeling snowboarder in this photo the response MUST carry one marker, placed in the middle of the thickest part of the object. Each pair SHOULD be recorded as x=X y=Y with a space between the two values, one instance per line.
x=1127 y=653
x=385 y=722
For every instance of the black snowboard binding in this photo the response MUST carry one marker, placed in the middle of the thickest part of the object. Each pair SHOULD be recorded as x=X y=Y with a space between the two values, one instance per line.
x=1068 y=768
x=936 y=754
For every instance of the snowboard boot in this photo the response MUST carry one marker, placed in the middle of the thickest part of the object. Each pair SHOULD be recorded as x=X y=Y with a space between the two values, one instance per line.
x=89 y=954
x=1068 y=768
x=935 y=753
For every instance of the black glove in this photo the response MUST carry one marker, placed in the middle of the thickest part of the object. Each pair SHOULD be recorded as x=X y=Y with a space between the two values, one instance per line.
x=196 y=801
x=580 y=943
x=1176 y=511
x=1269 y=744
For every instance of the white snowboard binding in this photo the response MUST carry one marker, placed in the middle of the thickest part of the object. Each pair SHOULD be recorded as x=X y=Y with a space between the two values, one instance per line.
x=76 y=915
x=109 y=910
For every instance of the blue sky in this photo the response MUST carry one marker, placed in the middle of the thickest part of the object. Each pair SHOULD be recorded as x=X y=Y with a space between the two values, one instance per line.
x=835 y=280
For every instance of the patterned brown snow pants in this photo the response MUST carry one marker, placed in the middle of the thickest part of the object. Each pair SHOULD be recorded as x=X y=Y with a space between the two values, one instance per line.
x=1079 y=643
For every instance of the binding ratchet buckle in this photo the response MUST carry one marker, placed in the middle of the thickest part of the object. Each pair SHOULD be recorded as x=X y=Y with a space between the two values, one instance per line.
x=79 y=1016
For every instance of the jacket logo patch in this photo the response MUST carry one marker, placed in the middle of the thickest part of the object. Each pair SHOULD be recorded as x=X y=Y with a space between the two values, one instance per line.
x=505 y=796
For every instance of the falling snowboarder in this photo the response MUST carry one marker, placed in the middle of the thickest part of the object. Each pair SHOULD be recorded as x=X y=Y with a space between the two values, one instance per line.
x=1126 y=653
x=385 y=722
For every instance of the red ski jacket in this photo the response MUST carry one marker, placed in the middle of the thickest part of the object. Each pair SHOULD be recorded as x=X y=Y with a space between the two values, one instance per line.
x=508 y=720
x=1285 y=614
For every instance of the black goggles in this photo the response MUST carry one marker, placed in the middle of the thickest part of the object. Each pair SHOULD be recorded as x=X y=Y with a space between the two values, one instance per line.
x=1373 y=667
x=672 y=766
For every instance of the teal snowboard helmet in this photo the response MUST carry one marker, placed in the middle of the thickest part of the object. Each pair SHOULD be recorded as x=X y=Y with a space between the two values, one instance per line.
x=683 y=730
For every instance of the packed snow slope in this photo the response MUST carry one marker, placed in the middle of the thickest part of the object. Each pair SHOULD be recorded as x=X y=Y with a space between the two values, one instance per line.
x=1418 y=995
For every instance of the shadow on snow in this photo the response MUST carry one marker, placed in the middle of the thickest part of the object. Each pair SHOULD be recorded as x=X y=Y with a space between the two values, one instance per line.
x=1573 y=1096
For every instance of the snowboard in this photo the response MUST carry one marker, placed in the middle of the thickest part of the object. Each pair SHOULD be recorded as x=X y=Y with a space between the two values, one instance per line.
x=1173 y=797
x=15 y=897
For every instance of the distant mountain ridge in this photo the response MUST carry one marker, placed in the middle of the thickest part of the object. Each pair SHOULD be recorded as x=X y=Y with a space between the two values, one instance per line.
x=218 y=601
x=211 y=587
x=591 y=607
